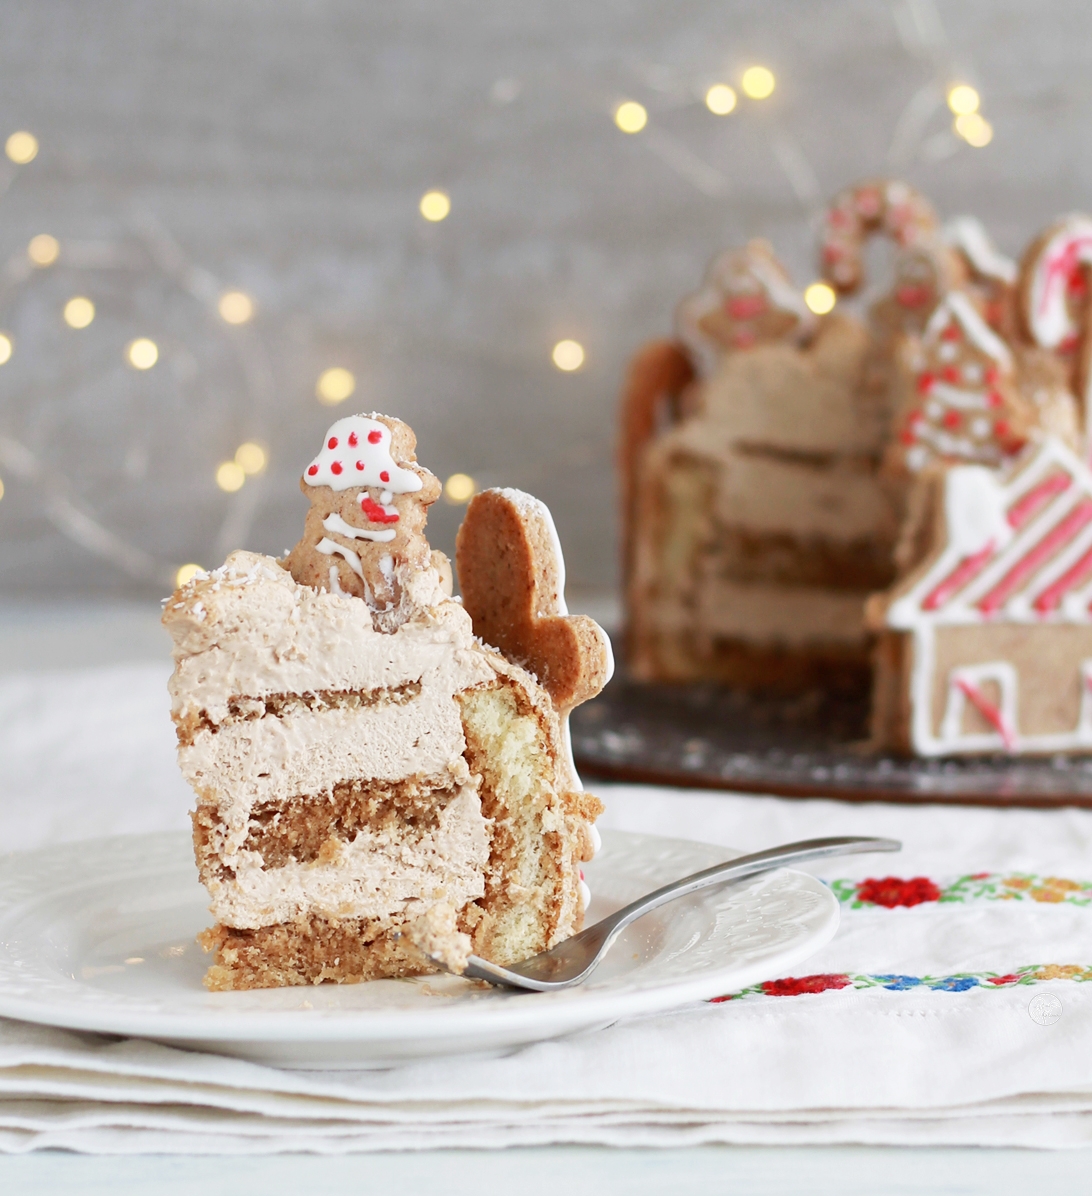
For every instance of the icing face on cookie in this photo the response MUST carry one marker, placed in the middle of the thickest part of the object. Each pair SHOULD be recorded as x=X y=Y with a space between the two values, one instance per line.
x=364 y=534
x=748 y=299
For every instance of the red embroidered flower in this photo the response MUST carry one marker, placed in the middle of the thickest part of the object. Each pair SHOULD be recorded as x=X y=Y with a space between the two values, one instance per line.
x=793 y=986
x=979 y=875
x=1011 y=978
x=892 y=891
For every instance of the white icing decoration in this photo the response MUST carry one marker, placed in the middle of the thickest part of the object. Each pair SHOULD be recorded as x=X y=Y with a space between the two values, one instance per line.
x=596 y=838
x=334 y=523
x=975 y=508
x=956 y=305
x=585 y=894
x=968 y=234
x=976 y=501
x=329 y=548
x=335 y=585
x=1047 y=314
x=337 y=467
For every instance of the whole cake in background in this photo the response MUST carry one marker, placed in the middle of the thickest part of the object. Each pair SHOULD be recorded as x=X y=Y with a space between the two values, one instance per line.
x=375 y=785
x=778 y=467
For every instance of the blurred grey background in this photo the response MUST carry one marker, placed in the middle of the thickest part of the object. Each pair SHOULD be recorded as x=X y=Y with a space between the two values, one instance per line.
x=282 y=148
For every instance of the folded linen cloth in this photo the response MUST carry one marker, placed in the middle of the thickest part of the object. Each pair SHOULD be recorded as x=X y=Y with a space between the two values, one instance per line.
x=953 y=1006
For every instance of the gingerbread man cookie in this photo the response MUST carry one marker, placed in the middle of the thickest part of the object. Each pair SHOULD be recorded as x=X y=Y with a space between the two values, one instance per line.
x=364 y=534
x=748 y=299
x=512 y=577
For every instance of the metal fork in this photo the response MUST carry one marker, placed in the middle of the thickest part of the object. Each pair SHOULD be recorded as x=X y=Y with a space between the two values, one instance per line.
x=574 y=960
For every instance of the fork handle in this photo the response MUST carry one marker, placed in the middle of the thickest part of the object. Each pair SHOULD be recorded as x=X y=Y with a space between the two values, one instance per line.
x=737 y=869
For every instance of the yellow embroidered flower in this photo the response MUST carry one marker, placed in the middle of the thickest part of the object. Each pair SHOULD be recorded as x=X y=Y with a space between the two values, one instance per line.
x=1017 y=882
x=1052 y=896
x=1058 y=971
x=1060 y=882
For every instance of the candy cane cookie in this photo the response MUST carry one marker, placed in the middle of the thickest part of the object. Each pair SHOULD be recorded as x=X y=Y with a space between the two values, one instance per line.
x=1053 y=298
x=876 y=206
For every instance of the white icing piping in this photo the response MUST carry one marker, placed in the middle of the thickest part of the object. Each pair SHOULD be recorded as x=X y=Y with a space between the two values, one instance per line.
x=956 y=304
x=906 y=612
x=329 y=548
x=968 y=234
x=356 y=451
x=334 y=523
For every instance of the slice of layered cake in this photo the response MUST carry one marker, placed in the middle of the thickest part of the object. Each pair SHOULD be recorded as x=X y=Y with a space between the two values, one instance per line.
x=369 y=773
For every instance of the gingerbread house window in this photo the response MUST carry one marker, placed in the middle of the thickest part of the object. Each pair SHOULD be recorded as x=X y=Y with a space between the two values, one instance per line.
x=981 y=707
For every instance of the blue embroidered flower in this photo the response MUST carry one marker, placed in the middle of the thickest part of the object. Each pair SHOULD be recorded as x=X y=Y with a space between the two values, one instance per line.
x=955 y=984
x=899 y=983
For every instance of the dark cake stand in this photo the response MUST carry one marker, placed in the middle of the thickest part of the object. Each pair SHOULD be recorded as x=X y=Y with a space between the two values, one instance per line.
x=707 y=737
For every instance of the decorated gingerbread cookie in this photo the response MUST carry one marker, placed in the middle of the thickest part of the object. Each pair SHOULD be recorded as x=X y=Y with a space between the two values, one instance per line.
x=963 y=402
x=512 y=578
x=364 y=533
x=748 y=299
x=1053 y=299
x=990 y=275
x=877 y=206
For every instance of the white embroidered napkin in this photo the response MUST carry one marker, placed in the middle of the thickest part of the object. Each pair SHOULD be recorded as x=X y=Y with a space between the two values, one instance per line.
x=951 y=1008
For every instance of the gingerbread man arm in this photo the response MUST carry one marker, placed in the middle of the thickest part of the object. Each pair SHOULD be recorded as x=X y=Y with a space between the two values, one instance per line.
x=512 y=579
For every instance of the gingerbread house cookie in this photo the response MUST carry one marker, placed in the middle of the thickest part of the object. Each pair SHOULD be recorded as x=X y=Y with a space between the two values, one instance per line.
x=985 y=645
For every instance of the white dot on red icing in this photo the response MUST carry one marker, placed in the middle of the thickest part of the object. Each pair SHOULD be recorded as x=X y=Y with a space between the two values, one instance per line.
x=312 y=471
x=352 y=439
x=384 y=476
x=335 y=467
x=375 y=437
x=360 y=465
x=332 y=442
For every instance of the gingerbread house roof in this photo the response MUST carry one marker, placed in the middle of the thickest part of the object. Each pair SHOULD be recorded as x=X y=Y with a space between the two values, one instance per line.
x=1017 y=546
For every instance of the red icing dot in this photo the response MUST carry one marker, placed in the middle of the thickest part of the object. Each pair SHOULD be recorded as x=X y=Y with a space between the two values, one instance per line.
x=991 y=375
x=384 y=476
x=952 y=419
x=907 y=436
x=951 y=333
x=375 y=437
x=1001 y=429
x=993 y=398
x=925 y=383
x=360 y=465
x=332 y=442
x=950 y=373
x=336 y=467
x=352 y=440
x=312 y=471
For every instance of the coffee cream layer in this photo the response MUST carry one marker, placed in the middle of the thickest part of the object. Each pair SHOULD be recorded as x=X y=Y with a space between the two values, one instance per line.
x=283 y=692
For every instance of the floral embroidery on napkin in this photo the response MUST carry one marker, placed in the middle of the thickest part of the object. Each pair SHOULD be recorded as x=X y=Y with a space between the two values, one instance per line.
x=891 y=892
x=795 y=986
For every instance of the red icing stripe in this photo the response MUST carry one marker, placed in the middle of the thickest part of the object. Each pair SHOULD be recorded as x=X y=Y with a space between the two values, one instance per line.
x=1061 y=534
x=1050 y=598
x=1022 y=510
x=955 y=581
x=988 y=711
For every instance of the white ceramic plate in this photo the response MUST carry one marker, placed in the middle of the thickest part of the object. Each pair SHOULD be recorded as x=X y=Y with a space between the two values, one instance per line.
x=99 y=936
